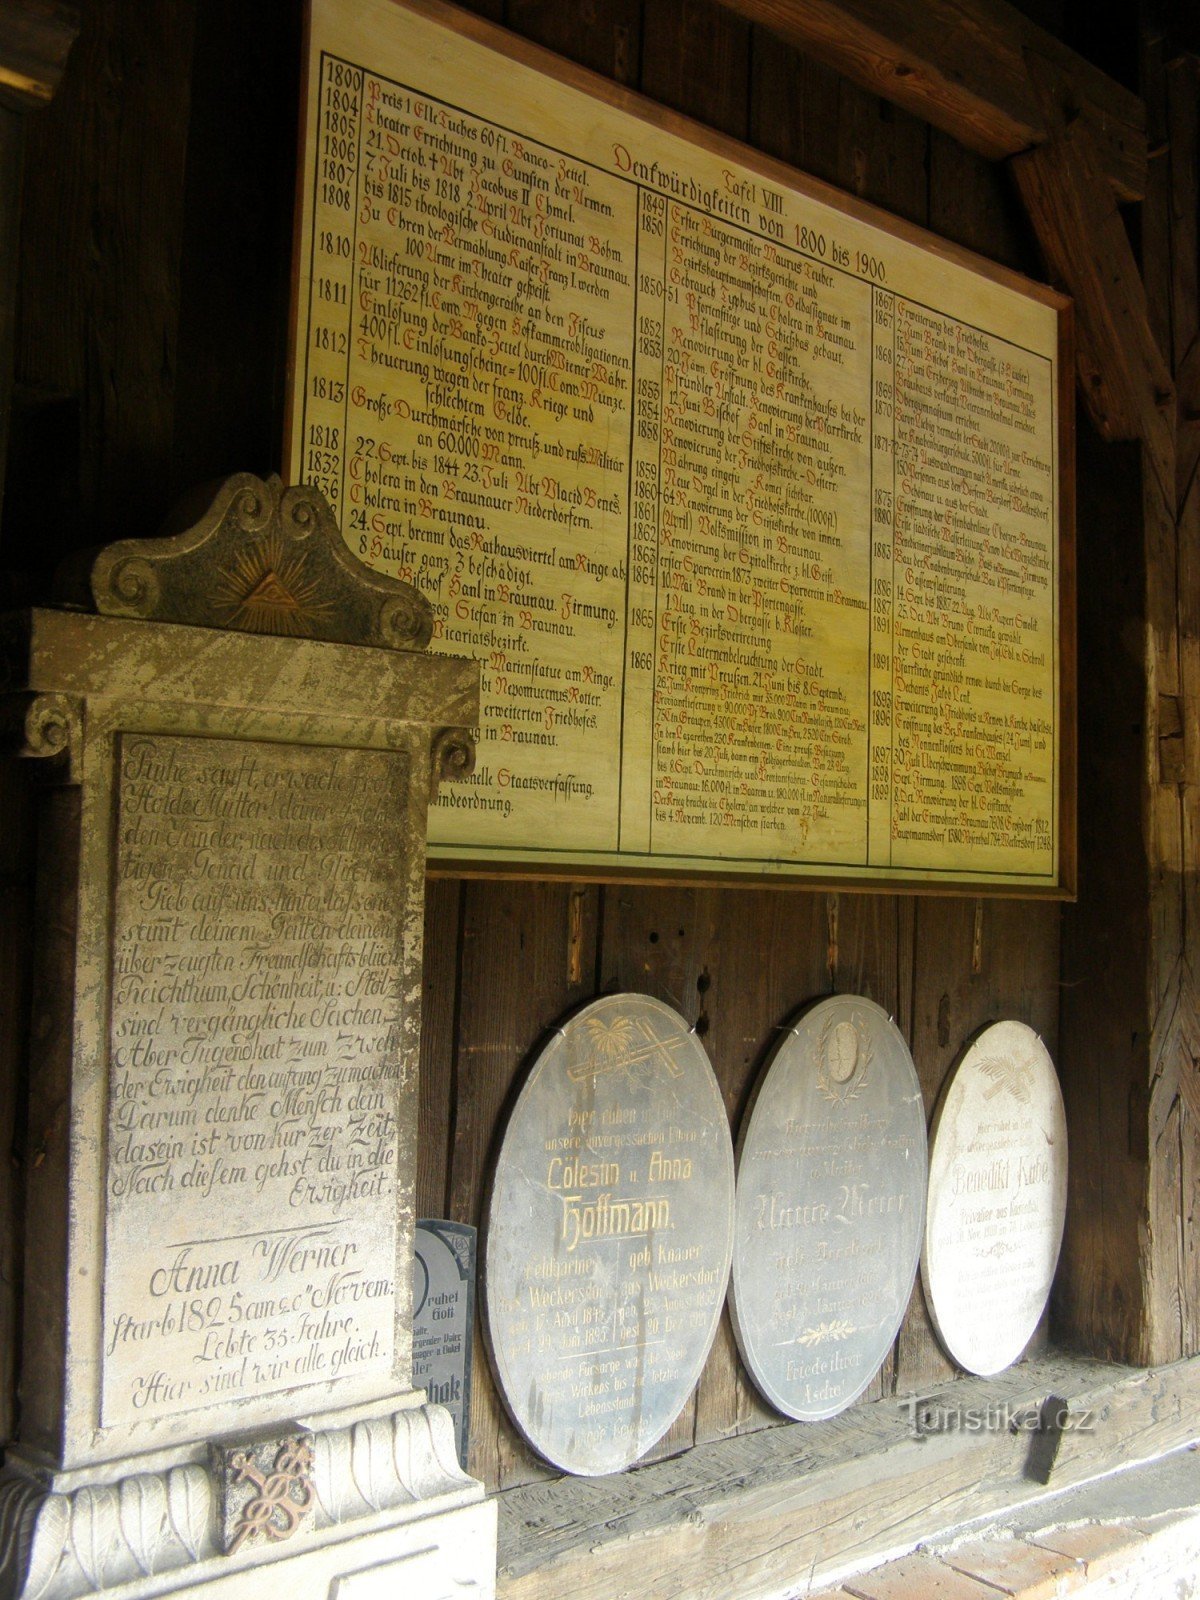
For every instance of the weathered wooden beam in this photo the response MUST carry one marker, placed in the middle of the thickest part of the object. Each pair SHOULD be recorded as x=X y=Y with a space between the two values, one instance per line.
x=1123 y=374
x=1188 y=446
x=35 y=38
x=801 y=1505
x=963 y=66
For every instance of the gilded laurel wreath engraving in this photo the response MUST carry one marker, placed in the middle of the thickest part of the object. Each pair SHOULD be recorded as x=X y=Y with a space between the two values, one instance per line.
x=281 y=1493
x=839 y=1328
x=843 y=1057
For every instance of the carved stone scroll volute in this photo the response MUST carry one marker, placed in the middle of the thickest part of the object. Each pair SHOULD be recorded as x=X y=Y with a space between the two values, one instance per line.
x=45 y=728
x=451 y=757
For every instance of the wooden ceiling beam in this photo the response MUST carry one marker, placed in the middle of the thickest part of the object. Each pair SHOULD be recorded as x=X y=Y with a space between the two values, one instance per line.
x=963 y=65
x=35 y=39
x=1123 y=375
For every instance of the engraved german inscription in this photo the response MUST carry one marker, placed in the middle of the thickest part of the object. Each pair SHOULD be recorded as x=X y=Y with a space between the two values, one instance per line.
x=609 y=1234
x=443 y=1319
x=251 y=1227
x=830 y=1200
x=997 y=1198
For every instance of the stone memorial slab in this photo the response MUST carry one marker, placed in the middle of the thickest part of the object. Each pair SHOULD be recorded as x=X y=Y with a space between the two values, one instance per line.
x=997 y=1198
x=609 y=1234
x=444 y=1319
x=830 y=1200
x=253 y=1143
x=237 y=734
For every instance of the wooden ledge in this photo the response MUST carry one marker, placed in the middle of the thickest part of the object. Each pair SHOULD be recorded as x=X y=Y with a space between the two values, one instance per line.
x=808 y=1503
x=1137 y=1532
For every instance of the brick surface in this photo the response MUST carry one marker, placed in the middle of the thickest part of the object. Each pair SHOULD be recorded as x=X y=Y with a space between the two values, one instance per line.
x=1030 y=1571
x=919 y=1577
x=1102 y=1547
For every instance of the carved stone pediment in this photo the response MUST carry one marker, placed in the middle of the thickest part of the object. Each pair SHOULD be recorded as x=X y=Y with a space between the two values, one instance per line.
x=259 y=559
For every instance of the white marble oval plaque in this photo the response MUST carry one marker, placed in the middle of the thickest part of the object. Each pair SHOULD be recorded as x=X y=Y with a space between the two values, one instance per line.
x=997 y=1198
x=830 y=1199
x=609 y=1234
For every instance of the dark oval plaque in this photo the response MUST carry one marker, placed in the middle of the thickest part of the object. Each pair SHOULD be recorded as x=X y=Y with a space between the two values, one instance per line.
x=609 y=1234
x=830 y=1200
x=997 y=1198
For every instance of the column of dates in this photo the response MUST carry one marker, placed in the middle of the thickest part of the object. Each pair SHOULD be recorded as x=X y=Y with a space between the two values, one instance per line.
x=645 y=474
x=335 y=203
x=883 y=387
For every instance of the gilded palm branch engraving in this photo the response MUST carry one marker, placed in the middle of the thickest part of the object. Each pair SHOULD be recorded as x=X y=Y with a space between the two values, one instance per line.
x=625 y=1044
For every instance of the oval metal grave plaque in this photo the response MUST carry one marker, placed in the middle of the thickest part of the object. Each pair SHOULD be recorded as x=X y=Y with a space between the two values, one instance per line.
x=609 y=1234
x=997 y=1198
x=830 y=1199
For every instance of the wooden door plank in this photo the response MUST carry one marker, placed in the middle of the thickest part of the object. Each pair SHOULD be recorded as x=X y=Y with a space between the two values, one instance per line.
x=1182 y=95
x=1164 y=1244
x=233 y=319
x=439 y=1016
x=968 y=204
x=605 y=37
x=767 y=958
x=653 y=941
x=1189 y=1197
x=1155 y=218
x=100 y=298
x=803 y=113
x=1104 y=1059
x=695 y=58
x=515 y=984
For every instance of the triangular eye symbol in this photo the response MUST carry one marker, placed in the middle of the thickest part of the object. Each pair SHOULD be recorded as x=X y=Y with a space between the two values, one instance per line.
x=270 y=594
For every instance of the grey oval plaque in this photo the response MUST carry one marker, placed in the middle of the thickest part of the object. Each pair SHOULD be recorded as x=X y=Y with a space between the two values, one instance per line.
x=997 y=1198
x=830 y=1199
x=609 y=1234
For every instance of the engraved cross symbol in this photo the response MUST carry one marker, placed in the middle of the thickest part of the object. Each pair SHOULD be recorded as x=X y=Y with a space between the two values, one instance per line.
x=634 y=1054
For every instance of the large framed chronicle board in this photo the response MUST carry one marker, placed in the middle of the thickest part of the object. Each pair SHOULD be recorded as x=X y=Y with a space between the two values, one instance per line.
x=754 y=503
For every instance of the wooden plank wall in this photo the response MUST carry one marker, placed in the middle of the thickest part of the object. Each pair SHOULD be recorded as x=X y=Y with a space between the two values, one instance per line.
x=1130 y=1024
x=153 y=306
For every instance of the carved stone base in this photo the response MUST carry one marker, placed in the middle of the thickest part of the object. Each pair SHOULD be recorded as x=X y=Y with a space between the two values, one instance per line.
x=346 y=1514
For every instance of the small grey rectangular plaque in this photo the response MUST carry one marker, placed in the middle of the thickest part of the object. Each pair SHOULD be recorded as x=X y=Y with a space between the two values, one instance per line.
x=444 y=1318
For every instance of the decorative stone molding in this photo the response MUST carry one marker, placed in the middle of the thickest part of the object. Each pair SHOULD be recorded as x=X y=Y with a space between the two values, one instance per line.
x=451 y=757
x=54 y=1546
x=259 y=559
x=44 y=727
x=61 y=1546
